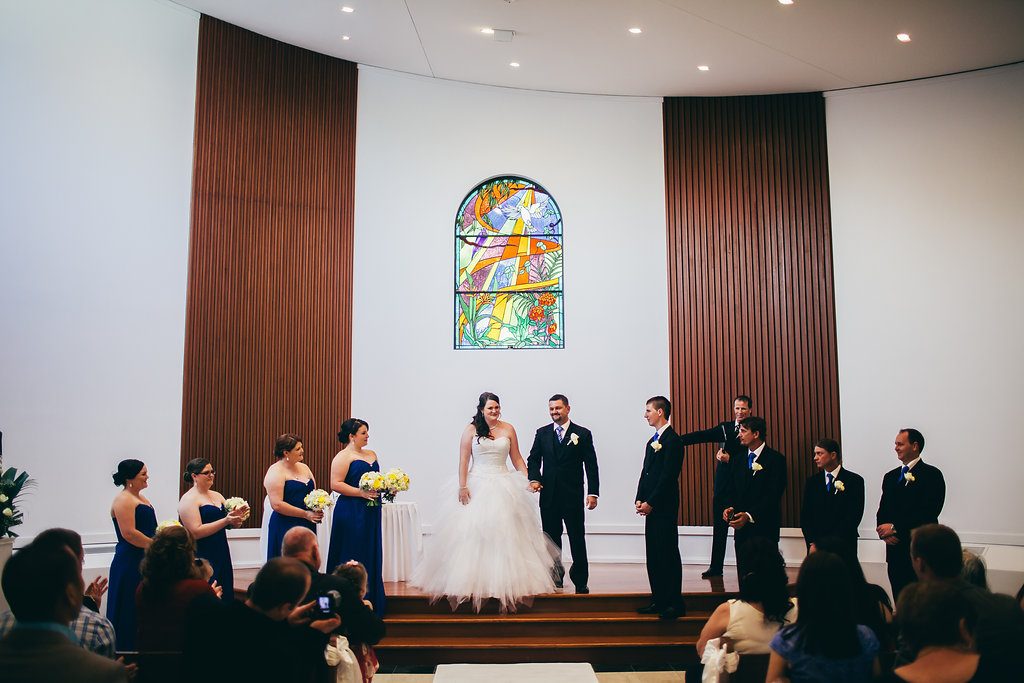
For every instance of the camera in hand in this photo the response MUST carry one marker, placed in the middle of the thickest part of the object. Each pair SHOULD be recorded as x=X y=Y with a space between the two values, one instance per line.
x=328 y=603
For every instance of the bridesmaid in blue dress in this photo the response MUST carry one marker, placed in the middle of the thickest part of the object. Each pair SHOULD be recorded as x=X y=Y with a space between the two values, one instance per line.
x=201 y=511
x=288 y=482
x=135 y=525
x=355 y=529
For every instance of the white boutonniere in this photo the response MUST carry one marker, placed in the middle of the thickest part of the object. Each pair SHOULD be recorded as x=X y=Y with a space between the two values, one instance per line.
x=656 y=446
x=909 y=478
x=840 y=487
x=574 y=439
x=756 y=467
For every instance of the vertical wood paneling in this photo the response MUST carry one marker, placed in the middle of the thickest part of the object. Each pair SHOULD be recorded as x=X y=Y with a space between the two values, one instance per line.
x=269 y=314
x=751 y=296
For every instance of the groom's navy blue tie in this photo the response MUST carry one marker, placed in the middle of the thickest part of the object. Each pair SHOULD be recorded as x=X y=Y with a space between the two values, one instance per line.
x=903 y=472
x=829 y=478
x=750 y=460
x=558 y=433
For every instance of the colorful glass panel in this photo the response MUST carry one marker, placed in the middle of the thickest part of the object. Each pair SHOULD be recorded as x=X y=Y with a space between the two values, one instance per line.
x=508 y=267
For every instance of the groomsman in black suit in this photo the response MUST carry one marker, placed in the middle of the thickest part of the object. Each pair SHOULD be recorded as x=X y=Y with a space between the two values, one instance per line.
x=912 y=496
x=833 y=499
x=726 y=433
x=657 y=501
x=560 y=453
x=755 y=503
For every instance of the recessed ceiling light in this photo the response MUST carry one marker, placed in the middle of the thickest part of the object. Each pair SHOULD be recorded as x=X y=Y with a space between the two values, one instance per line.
x=487 y=31
x=785 y=2
x=344 y=37
x=347 y=9
x=514 y=65
x=903 y=37
x=636 y=30
x=703 y=67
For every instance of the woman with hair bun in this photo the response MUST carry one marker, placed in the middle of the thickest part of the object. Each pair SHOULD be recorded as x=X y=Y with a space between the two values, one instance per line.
x=288 y=482
x=201 y=511
x=356 y=526
x=134 y=524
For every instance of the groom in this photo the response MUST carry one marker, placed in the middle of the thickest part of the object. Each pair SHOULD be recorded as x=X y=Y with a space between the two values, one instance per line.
x=561 y=451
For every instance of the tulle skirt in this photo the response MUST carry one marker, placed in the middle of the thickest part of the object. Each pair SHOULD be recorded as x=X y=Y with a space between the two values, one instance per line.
x=491 y=548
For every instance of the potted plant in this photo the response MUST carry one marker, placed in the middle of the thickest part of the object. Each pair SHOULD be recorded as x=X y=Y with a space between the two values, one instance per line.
x=12 y=485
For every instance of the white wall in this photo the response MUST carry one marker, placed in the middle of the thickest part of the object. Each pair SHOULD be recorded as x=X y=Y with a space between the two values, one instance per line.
x=422 y=145
x=927 y=184
x=96 y=132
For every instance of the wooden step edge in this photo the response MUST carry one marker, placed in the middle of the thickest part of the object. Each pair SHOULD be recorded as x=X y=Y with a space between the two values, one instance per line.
x=549 y=618
x=521 y=643
x=588 y=596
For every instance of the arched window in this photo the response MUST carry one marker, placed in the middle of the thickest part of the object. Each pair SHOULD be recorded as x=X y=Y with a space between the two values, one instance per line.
x=508 y=267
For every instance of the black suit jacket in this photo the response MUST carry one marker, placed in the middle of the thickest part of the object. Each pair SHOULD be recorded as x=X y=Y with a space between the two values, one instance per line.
x=659 y=479
x=832 y=514
x=908 y=505
x=760 y=492
x=559 y=466
x=724 y=433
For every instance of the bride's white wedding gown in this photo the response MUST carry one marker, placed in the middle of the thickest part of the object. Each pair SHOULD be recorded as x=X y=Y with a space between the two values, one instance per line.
x=492 y=547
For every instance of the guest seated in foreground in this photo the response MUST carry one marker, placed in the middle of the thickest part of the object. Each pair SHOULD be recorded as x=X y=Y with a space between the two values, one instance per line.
x=355 y=575
x=764 y=605
x=171 y=580
x=94 y=632
x=974 y=571
x=826 y=643
x=935 y=620
x=871 y=604
x=358 y=622
x=269 y=636
x=44 y=586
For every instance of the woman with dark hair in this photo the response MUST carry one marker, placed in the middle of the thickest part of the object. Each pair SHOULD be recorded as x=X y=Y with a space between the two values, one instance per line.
x=355 y=528
x=871 y=604
x=171 y=580
x=489 y=543
x=201 y=511
x=288 y=482
x=763 y=607
x=825 y=643
x=134 y=525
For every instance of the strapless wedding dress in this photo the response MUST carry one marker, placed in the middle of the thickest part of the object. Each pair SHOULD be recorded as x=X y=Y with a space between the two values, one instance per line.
x=493 y=547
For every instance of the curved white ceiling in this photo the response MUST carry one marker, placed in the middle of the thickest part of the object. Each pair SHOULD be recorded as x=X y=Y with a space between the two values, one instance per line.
x=583 y=46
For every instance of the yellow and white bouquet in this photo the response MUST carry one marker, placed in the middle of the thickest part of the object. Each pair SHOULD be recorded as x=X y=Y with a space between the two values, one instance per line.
x=167 y=524
x=231 y=504
x=388 y=484
x=318 y=500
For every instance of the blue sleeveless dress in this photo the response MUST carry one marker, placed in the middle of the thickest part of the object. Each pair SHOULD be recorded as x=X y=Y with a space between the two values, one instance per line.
x=125 y=577
x=214 y=549
x=294 y=493
x=356 y=535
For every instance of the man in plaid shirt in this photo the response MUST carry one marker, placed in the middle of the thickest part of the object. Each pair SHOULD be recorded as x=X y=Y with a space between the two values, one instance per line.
x=94 y=632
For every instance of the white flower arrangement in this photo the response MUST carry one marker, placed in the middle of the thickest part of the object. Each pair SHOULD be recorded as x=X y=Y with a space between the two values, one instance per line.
x=574 y=439
x=388 y=484
x=656 y=446
x=167 y=524
x=231 y=504
x=317 y=500
x=840 y=487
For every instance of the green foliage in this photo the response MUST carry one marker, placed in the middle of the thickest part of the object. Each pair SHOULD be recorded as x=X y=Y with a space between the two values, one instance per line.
x=12 y=485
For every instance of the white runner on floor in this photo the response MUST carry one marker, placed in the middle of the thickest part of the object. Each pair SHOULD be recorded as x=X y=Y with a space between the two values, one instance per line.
x=515 y=673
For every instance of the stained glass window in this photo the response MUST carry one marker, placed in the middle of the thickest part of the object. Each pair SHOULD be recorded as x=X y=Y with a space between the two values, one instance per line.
x=508 y=267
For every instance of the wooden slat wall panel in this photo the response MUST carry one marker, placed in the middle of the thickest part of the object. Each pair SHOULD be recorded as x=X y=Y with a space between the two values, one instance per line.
x=268 y=327
x=751 y=298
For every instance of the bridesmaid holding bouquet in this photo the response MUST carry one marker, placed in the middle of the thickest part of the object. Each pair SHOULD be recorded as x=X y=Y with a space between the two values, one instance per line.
x=288 y=482
x=356 y=528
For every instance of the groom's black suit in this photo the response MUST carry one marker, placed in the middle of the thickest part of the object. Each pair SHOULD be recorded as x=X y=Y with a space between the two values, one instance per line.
x=558 y=466
x=659 y=488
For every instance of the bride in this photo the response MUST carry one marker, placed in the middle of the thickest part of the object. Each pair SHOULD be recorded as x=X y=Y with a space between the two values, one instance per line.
x=489 y=543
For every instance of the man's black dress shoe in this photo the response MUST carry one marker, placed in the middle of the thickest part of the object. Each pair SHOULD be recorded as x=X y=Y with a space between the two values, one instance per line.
x=711 y=574
x=649 y=609
x=582 y=591
x=672 y=613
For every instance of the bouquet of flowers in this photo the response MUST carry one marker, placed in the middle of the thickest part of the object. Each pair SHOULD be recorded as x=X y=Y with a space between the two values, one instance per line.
x=166 y=524
x=388 y=485
x=318 y=500
x=231 y=504
x=12 y=484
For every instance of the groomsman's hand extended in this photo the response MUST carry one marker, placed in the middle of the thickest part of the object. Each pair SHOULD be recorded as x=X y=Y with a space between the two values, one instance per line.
x=591 y=502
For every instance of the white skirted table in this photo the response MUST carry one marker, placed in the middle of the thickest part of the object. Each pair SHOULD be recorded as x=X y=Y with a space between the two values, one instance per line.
x=403 y=540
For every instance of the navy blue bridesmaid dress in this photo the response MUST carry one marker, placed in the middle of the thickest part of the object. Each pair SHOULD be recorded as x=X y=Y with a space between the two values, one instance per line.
x=125 y=577
x=356 y=535
x=294 y=494
x=214 y=549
